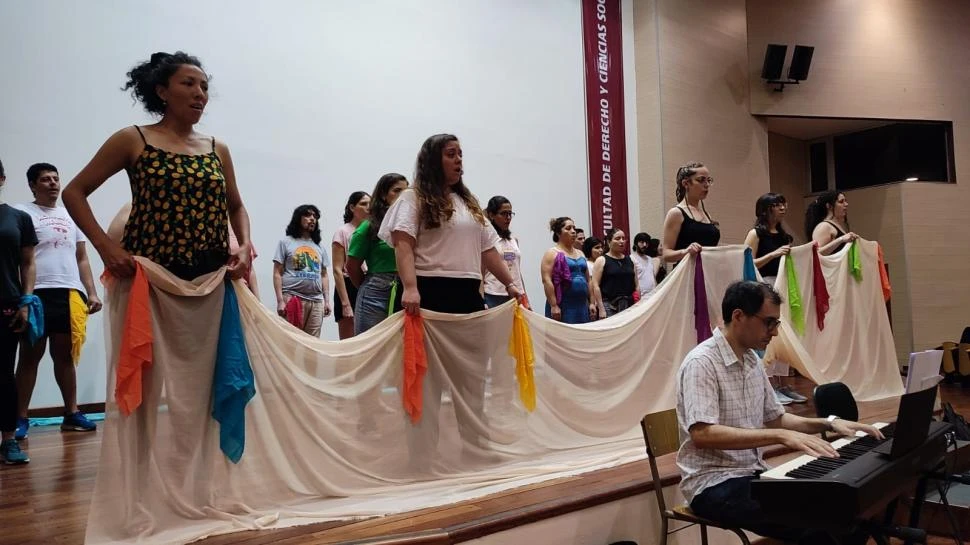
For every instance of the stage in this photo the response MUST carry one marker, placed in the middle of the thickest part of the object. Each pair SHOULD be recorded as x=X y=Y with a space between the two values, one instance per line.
x=48 y=500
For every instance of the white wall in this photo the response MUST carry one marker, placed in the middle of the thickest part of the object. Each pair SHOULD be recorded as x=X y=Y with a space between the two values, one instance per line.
x=315 y=99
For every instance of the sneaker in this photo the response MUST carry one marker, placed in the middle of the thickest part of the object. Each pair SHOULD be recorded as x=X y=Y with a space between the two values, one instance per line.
x=792 y=394
x=782 y=398
x=22 y=425
x=77 y=422
x=11 y=454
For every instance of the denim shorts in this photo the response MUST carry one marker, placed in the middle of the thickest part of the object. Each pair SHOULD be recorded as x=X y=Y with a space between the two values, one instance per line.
x=373 y=300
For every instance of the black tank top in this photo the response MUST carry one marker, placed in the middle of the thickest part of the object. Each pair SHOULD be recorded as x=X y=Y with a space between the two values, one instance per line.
x=767 y=243
x=840 y=233
x=618 y=278
x=705 y=234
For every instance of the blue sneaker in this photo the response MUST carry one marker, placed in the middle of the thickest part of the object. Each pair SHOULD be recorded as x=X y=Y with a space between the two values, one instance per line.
x=22 y=425
x=11 y=454
x=77 y=422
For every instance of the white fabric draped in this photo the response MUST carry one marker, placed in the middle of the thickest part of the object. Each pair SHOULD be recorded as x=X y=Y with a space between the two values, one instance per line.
x=326 y=435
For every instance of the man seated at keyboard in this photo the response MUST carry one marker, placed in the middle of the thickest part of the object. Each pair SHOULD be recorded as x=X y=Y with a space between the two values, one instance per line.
x=727 y=411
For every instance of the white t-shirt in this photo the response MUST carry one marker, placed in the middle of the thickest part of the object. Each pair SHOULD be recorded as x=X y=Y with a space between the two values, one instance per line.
x=645 y=278
x=453 y=250
x=55 y=255
x=512 y=256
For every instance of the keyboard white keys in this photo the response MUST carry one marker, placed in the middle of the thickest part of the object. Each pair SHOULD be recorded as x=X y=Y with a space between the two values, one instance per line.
x=781 y=471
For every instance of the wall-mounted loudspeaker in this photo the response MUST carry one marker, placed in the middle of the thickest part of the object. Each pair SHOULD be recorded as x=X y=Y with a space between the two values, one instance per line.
x=774 y=61
x=801 y=61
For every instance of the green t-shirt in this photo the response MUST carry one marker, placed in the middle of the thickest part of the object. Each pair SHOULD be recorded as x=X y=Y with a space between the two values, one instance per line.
x=378 y=256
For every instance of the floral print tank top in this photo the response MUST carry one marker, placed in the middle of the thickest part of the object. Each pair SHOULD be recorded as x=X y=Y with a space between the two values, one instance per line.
x=179 y=211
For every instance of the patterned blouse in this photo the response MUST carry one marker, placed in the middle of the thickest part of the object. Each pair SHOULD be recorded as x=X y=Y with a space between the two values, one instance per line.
x=179 y=211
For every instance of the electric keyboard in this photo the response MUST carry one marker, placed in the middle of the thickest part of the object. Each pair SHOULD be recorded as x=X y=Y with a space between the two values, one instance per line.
x=834 y=492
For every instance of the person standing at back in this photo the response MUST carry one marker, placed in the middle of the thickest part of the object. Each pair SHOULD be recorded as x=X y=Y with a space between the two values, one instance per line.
x=566 y=280
x=768 y=240
x=345 y=292
x=580 y=238
x=66 y=289
x=614 y=276
x=688 y=227
x=300 y=272
x=647 y=266
x=499 y=210
x=17 y=241
x=827 y=222
x=370 y=261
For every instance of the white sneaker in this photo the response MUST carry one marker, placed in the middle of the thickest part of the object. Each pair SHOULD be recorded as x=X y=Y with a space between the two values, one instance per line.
x=791 y=394
x=782 y=398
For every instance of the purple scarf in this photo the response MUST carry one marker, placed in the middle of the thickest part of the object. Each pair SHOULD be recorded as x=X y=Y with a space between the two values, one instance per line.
x=560 y=275
x=702 y=319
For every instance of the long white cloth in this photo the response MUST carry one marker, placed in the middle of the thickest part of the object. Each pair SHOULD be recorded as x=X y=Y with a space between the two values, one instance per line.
x=326 y=435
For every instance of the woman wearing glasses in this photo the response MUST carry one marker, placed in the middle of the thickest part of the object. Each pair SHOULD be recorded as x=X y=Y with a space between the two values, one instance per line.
x=688 y=227
x=500 y=213
x=769 y=240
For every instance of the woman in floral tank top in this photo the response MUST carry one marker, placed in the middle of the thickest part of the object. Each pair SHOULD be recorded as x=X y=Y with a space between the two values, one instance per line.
x=182 y=183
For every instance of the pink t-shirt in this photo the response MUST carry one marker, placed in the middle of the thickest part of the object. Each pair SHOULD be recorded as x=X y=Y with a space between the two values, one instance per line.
x=342 y=237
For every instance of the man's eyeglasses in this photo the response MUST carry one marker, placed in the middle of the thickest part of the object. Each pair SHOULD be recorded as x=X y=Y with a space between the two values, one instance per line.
x=771 y=323
x=507 y=214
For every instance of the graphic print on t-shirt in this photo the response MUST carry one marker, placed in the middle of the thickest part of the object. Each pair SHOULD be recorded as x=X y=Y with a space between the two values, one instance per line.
x=305 y=262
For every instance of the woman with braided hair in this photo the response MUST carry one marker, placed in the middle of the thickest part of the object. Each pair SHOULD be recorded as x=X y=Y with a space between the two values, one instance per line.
x=688 y=227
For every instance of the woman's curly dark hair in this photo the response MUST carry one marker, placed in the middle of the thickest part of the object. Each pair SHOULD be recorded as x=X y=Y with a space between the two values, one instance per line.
x=295 y=228
x=435 y=207
x=146 y=76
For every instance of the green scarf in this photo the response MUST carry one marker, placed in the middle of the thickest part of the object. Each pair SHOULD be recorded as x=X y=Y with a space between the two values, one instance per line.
x=855 y=263
x=794 y=297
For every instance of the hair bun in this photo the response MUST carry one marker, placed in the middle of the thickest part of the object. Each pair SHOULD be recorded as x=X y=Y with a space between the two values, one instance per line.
x=159 y=57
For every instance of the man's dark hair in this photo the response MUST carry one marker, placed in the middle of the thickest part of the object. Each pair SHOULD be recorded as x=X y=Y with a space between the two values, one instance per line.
x=748 y=296
x=35 y=170
x=295 y=227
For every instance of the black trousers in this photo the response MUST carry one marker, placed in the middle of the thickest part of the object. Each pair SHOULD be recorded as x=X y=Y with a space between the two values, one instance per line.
x=731 y=504
x=452 y=295
x=9 y=341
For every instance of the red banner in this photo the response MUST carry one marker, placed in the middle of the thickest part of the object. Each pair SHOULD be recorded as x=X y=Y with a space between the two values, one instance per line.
x=605 y=127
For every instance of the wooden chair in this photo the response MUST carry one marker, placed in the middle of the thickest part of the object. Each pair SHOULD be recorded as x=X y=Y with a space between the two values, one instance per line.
x=949 y=365
x=963 y=359
x=660 y=433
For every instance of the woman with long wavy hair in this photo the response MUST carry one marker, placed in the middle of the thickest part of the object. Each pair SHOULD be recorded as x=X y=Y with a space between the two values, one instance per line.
x=441 y=237
x=441 y=240
x=380 y=284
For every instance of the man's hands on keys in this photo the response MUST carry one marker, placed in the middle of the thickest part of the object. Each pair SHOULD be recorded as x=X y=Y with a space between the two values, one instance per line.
x=847 y=428
x=813 y=445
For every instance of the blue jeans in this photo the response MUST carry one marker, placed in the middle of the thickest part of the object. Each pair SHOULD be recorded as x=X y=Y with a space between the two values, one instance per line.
x=492 y=301
x=373 y=299
x=731 y=504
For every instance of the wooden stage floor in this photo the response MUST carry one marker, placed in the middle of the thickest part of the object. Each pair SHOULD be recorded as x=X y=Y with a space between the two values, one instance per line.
x=47 y=501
